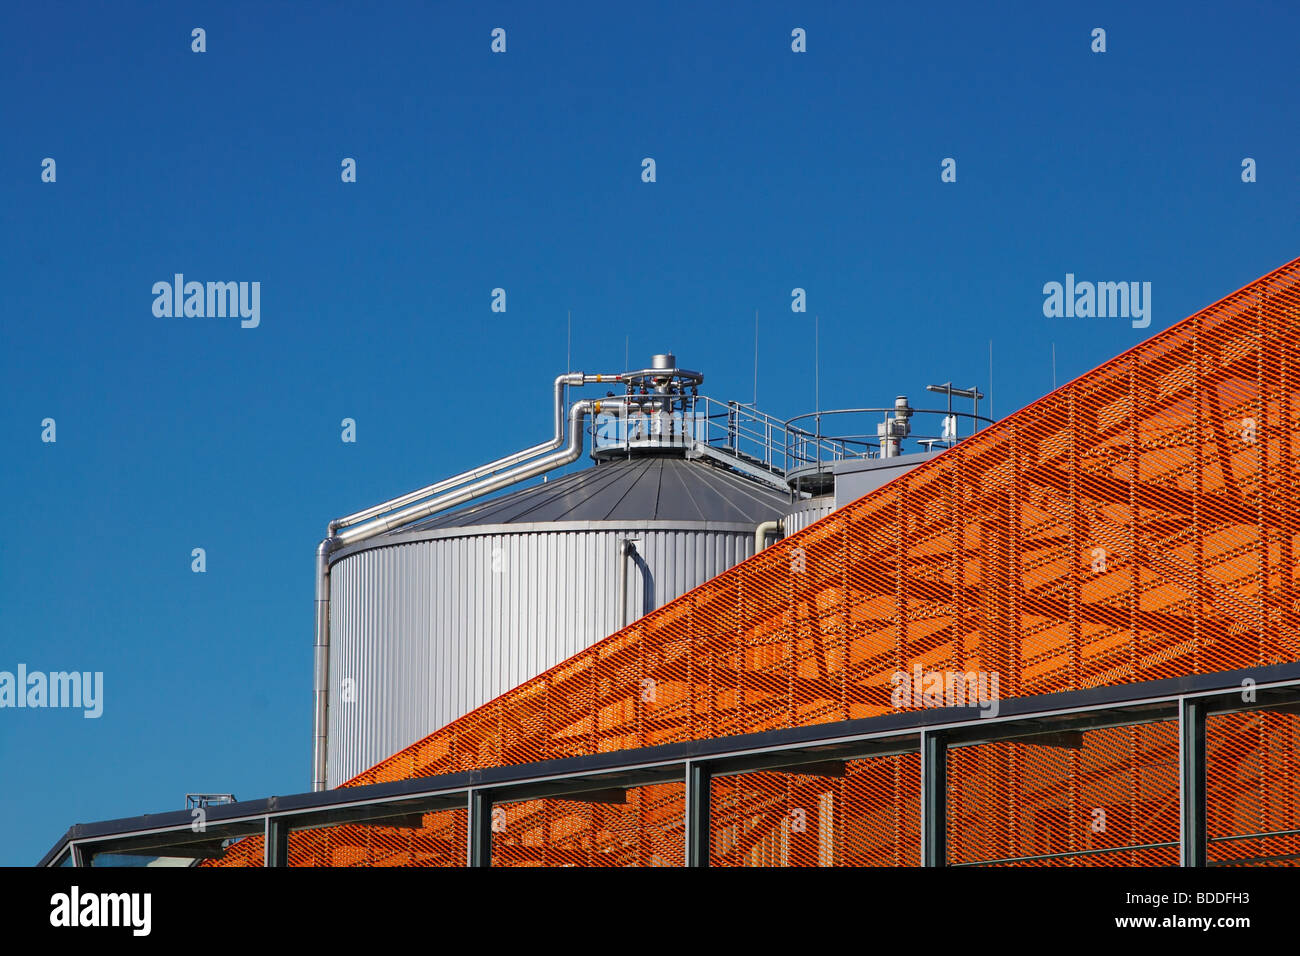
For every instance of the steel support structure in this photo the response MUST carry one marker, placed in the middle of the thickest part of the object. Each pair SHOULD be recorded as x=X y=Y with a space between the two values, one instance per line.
x=478 y=838
x=276 y=849
x=934 y=799
x=699 y=780
x=1192 y=811
x=820 y=748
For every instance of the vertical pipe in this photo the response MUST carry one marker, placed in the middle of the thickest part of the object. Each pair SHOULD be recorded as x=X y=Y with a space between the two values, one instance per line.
x=338 y=536
x=625 y=551
x=321 y=680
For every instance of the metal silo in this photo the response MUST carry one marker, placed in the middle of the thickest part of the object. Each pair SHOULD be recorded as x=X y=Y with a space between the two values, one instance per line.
x=429 y=613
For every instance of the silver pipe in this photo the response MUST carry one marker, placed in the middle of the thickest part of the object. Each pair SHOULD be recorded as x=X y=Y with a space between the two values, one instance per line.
x=320 y=734
x=695 y=378
x=450 y=499
x=626 y=548
x=421 y=503
x=763 y=530
x=359 y=532
x=620 y=620
x=570 y=378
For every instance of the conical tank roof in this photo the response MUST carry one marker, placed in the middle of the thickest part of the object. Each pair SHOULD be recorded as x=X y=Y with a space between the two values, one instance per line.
x=643 y=488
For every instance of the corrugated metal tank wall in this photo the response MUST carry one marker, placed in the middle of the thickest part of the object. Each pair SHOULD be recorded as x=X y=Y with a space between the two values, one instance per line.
x=806 y=513
x=423 y=632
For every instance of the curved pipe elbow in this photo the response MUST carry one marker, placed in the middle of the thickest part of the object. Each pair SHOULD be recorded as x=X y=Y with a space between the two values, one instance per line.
x=763 y=530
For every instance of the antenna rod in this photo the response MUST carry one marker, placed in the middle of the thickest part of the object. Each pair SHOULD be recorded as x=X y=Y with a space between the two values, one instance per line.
x=817 y=363
x=991 y=378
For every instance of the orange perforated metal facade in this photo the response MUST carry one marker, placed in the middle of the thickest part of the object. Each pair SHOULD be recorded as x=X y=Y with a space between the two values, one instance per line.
x=1138 y=523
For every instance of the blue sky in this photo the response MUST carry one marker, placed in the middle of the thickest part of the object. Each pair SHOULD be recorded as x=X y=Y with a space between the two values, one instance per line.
x=775 y=170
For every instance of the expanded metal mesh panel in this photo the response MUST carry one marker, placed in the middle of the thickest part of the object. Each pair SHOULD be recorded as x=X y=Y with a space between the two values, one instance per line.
x=1099 y=790
x=1136 y=524
x=1253 y=798
x=645 y=830
x=869 y=816
x=440 y=840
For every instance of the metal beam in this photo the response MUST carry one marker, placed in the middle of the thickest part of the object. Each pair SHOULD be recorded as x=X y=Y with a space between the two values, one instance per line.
x=594 y=788
x=1191 y=779
x=1066 y=855
x=827 y=760
x=479 y=841
x=697 y=824
x=1064 y=739
x=934 y=799
x=174 y=842
x=1029 y=729
x=210 y=850
x=275 y=852
x=611 y=796
x=703 y=450
x=383 y=815
x=792 y=748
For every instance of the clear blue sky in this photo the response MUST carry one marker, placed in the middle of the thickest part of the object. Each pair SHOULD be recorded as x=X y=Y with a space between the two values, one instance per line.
x=775 y=170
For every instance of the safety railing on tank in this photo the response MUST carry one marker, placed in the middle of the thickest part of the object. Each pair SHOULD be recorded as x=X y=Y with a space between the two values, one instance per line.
x=809 y=448
x=689 y=421
x=785 y=448
x=746 y=432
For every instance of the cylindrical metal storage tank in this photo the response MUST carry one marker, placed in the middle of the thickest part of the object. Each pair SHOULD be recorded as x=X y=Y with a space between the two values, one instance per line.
x=801 y=515
x=433 y=620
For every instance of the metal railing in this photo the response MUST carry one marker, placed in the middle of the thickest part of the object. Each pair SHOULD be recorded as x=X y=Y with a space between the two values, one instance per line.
x=746 y=432
x=689 y=421
x=809 y=448
x=785 y=448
